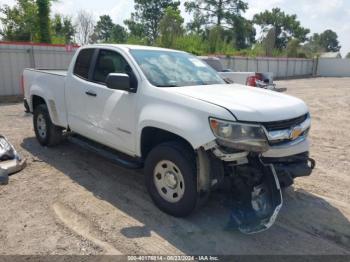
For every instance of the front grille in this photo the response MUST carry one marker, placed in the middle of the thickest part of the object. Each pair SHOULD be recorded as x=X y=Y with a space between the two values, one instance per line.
x=284 y=124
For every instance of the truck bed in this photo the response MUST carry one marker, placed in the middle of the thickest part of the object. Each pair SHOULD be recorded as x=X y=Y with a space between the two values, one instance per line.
x=52 y=84
x=50 y=71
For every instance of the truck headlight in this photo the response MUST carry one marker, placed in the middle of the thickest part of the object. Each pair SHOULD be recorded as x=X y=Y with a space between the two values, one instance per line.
x=240 y=136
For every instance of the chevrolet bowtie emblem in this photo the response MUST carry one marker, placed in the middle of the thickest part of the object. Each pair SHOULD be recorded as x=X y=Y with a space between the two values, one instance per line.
x=296 y=132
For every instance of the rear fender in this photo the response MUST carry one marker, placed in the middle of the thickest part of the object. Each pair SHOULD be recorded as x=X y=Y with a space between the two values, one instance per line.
x=49 y=98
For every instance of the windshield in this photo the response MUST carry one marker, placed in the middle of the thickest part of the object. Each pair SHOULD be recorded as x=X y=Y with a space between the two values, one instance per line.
x=170 y=68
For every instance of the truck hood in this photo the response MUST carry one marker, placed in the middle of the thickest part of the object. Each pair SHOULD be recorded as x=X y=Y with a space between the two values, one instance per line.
x=247 y=103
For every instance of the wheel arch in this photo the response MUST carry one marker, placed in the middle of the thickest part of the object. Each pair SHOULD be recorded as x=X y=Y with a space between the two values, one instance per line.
x=152 y=136
x=37 y=100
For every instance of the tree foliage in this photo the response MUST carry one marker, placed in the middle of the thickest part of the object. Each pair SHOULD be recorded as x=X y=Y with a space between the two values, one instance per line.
x=147 y=17
x=321 y=43
x=63 y=30
x=313 y=47
x=135 y=28
x=292 y=48
x=171 y=27
x=269 y=42
x=106 y=31
x=198 y=23
x=242 y=31
x=215 y=39
x=216 y=26
x=327 y=40
x=68 y=30
x=19 y=22
x=44 y=32
x=104 y=28
x=286 y=26
x=119 y=34
x=217 y=12
x=223 y=14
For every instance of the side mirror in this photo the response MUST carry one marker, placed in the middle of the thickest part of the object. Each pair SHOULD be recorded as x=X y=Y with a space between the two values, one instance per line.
x=119 y=82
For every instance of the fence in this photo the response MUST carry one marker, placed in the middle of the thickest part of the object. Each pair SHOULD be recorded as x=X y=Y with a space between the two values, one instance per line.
x=280 y=67
x=14 y=57
x=334 y=67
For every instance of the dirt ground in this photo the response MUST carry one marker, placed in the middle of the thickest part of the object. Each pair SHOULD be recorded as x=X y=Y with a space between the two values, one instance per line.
x=71 y=201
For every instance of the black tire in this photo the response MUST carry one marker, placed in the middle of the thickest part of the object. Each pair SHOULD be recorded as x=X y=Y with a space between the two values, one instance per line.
x=184 y=158
x=54 y=134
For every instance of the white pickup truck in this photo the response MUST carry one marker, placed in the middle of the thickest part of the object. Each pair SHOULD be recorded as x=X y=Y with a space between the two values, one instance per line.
x=173 y=115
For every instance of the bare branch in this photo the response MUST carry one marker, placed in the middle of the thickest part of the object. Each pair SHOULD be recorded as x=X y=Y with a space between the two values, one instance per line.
x=85 y=25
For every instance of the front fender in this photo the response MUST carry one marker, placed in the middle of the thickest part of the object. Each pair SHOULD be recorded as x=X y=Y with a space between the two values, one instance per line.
x=191 y=126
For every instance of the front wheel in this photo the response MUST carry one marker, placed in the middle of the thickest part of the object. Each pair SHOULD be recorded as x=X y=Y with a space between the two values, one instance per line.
x=170 y=171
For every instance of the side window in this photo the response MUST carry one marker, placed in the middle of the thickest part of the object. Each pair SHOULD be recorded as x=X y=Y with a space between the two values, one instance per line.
x=82 y=65
x=109 y=62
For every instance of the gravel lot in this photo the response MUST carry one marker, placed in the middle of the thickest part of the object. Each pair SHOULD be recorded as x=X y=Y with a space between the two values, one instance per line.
x=71 y=201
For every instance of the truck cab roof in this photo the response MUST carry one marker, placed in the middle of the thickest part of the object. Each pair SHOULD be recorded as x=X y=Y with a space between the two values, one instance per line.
x=126 y=47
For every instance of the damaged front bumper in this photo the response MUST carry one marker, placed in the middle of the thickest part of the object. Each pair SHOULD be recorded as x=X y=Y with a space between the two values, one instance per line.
x=10 y=160
x=259 y=210
x=290 y=167
x=256 y=180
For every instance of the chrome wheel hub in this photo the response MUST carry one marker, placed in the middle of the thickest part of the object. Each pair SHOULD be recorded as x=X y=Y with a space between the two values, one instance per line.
x=169 y=181
x=41 y=126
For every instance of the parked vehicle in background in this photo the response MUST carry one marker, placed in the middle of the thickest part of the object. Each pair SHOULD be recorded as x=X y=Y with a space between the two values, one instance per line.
x=255 y=79
x=171 y=113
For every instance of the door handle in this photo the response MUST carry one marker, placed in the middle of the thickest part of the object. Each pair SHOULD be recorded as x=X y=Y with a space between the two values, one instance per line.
x=91 y=93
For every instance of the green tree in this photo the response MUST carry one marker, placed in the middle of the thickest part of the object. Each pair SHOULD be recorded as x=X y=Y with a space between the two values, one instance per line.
x=243 y=32
x=293 y=47
x=329 y=41
x=286 y=26
x=104 y=28
x=136 y=29
x=148 y=13
x=119 y=34
x=226 y=14
x=57 y=25
x=215 y=39
x=62 y=29
x=269 y=42
x=108 y=32
x=171 y=27
x=197 y=25
x=348 y=55
x=313 y=47
x=19 y=22
x=192 y=43
x=320 y=43
x=44 y=33
x=68 y=30
x=217 y=12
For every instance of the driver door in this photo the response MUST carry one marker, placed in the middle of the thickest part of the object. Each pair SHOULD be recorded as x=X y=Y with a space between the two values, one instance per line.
x=109 y=113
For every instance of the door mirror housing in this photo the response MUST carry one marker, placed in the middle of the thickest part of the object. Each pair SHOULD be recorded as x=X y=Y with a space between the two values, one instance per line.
x=118 y=81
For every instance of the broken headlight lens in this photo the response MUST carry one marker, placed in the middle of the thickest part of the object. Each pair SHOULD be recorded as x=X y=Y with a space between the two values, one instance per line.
x=240 y=136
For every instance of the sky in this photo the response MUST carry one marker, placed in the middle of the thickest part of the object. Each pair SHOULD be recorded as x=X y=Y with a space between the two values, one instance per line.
x=316 y=15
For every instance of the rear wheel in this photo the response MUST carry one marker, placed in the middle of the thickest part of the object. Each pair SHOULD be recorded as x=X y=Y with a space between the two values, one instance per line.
x=170 y=171
x=46 y=132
